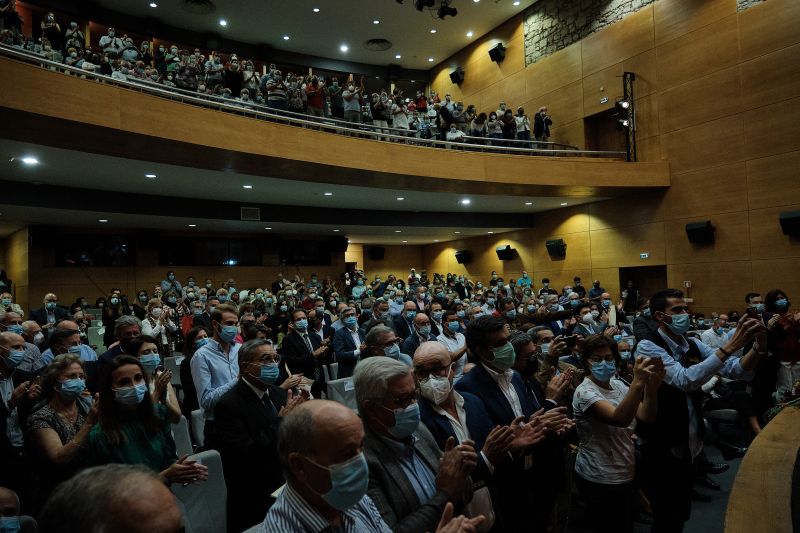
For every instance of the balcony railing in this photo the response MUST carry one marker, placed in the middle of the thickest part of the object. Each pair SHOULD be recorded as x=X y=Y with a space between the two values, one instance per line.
x=327 y=124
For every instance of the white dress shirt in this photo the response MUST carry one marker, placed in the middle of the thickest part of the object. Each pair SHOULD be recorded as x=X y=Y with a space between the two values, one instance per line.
x=503 y=381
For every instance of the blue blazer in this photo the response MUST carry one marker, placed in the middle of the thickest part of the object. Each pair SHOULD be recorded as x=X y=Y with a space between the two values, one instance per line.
x=344 y=348
x=478 y=425
x=479 y=383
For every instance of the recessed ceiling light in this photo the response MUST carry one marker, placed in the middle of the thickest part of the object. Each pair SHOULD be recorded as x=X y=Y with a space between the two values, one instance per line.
x=28 y=160
x=466 y=201
x=376 y=21
x=344 y=48
x=192 y=225
x=430 y=60
x=247 y=186
x=433 y=30
x=267 y=228
x=104 y=220
x=476 y=1
x=563 y=203
x=398 y=231
x=337 y=230
x=516 y=3
x=153 y=4
x=405 y=241
x=528 y=203
x=285 y=37
x=328 y=193
x=316 y=10
x=435 y=240
x=469 y=34
x=151 y=176
x=401 y=198
x=398 y=56
x=456 y=232
x=223 y=22
x=489 y=232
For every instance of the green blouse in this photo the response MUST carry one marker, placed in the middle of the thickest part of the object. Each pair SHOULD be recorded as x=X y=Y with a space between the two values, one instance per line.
x=156 y=452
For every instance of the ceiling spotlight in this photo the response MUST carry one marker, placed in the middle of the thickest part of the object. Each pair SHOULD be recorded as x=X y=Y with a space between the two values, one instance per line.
x=344 y=48
x=398 y=231
x=622 y=105
x=398 y=56
x=435 y=240
x=445 y=10
x=151 y=176
x=405 y=241
x=466 y=201
x=337 y=230
x=430 y=60
x=192 y=225
x=103 y=220
x=401 y=198
x=516 y=3
x=490 y=232
x=267 y=228
x=247 y=186
x=456 y=232
x=563 y=203
x=469 y=34
x=28 y=160
x=376 y=21
x=153 y=4
x=328 y=193
x=223 y=22
x=316 y=10
x=623 y=124
x=433 y=30
x=528 y=203
x=285 y=37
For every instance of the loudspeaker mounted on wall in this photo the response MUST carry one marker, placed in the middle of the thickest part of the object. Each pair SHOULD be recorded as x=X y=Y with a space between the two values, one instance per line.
x=700 y=232
x=463 y=257
x=556 y=247
x=504 y=253
x=498 y=53
x=376 y=253
x=457 y=76
x=790 y=222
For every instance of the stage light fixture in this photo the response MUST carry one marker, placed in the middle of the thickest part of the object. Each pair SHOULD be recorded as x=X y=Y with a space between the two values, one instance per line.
x=445 y=10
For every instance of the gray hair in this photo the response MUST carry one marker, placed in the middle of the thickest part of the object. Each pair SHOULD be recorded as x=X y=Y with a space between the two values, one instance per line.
x=533 y=332
x=295 y=434
x=346 y=309
x=87 y=501
x=371 y=378
x=375 y=333
x=247 y=351
x=126 y=321
x=518 y=339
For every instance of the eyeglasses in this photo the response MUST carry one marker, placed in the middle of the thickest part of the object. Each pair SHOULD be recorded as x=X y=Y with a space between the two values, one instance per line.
x=424 y=374
x=268 y=359
x=401 y=402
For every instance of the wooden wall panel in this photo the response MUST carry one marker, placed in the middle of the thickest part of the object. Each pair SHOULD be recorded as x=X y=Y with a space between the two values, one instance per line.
x=773 y=181
x=620 y=247
x=603 y=83
x=397 y=260
x=674 y=18
x=17 y=267
x=571 y=133
x=649 y=149
x=769 y=26
x=552 y=72
x=578 y=253
x=645 y=67
x=711 y=97
x=512 y=91
x=627 y=211
x=716 y=142
x=699 y=53
x=771 y=78
x=777 y=274
x=715 y=286
x=768 y=241
x=772 y=129
x=647 y=122
x=732 y=240
x=562 y=221
x=708 y=191
x=561 y=103
x=627 y=38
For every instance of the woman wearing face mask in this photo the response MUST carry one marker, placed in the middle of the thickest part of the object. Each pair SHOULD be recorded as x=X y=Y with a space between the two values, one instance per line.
x=194 y=340
x=133 y=430
x=139 y=307
x=8 y=304
x=279 y=322
x=783 y=339
x=604 y=410
x=59 y=430
x=159 y=325
x=145 y=349
x=452 y=338
x=111 y=312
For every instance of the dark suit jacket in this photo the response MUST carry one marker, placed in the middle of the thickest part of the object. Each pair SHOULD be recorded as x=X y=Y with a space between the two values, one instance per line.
x=402 y=328
x=344 y=347
x=412 y=342
x=392 y=492
x=296 y=354
x=326 y=332
x=40 y=315
x=246 y=432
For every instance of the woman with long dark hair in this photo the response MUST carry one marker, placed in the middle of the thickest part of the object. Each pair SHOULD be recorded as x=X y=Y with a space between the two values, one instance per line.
x=194 y=340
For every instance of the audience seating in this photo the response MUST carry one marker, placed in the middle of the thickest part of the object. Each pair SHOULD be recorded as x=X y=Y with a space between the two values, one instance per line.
x=204 y=504
x=183 y=441
x=198 y=426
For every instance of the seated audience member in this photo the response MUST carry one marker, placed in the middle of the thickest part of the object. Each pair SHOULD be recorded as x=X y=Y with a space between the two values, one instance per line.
x=452 y=339
x=522 y=501
x=420 y=332
x=32 y=332
x=195 y=339
x=604 y=410
x=317 y=324
x=304 y=352
x=589 y=321
x=246 y=419
x=114 y=497
x=348 y=343
x=256 y=331
x=67 y=339
x=715 y=336
x=7 y=304
x=12 y=322
x=381 y=340
x=58 y=431
x=145 y=349
x=403 y=323
x=125 y=328
x=410 y=479
x=644 y=324
x=159 y=325
x=50 y=313
x=380 y=316
x=10 y=509
x=215 y=367
x=132 y=429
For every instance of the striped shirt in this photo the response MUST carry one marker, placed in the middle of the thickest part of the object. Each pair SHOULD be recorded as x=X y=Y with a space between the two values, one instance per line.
x=292 y=513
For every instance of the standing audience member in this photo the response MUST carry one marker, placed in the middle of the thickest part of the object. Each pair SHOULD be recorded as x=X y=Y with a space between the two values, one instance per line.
x=541 y=126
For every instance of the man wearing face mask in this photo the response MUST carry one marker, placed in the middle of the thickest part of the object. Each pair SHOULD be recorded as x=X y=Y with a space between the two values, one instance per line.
x=421 y=332
x=50 y=313
x=502 y=390
x=589 y=321
x=380 y=316
x=215 y=367
x=348 y=342
x=410 y=479
x=247 y=419
x=32 y=362
x=672 y=443
x=111 y=44
x=382 y=341
x=304 y=351
x=403 y=323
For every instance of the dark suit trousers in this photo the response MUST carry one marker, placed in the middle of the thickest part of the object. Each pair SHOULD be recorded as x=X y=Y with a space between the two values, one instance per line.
x=668 y=482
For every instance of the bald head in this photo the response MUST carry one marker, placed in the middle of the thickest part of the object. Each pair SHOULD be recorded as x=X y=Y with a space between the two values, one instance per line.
x=68 y=324
x=431 y=352
x=10 y=317
x=9 y=502
x=421 y=320
x=11 y=341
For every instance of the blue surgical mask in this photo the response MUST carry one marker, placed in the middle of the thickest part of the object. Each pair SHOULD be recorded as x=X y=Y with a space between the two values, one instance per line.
x=150 y=361
x=512 y=314
x=781 y=304
x=531 y=308
x=392 y=351
x=504 y=356
x=15 y=328
x=398 y=300
x=71 y=389
x=75 y=350
x=269 y=373
x=172 y=299
x=350 y=321
x=646 y=312
x=680 y=323
x=228 y=333
x=606 y=303
x=143 y=298
x=617 y=338
x=453 y=326
x=410 y=315
x=222 y=299
x=437 y=315
x=574 y=303
x=406 y=421
x=14 y=358
x=284 y=308
x=197 y=311
x=301 y=325
x=604 y=370
x=6 y=302
x=461 y=314
x=10 y=524
x=624 y=355
x=759 y=308
x=489 y=301
x=424 y=330
x=199 y=343
x=349 y=482
x=131 y=395
x=114 y=301
x=50 y=305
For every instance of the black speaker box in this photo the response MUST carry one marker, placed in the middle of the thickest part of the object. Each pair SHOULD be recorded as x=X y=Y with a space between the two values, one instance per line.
x=790 y=222
x=376 y=253
x=504 y=253
x=700 y=232
x=556 y=247
x=498 y=53
x=338 y=244
x=463 y=257
x=457 y=76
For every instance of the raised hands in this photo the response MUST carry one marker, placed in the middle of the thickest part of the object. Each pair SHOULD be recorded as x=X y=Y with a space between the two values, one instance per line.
x=455 y=465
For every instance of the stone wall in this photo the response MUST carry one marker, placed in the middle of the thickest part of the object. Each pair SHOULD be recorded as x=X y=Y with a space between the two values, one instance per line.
x=551 y=25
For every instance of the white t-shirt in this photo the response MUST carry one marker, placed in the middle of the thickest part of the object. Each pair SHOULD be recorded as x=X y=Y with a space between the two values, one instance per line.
x=606 y=453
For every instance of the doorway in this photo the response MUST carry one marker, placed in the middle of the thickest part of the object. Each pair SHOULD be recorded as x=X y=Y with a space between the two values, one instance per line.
x=647 y=279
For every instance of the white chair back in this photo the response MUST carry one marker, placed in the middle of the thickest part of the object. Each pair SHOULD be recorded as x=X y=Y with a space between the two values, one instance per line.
x=334 y=370
x=198 y=427
x=183 y=441
x=204 y=504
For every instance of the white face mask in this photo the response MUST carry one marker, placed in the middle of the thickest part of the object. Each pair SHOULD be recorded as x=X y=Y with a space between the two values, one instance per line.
x=156 y=312
x=436 y=389
x=38 y=338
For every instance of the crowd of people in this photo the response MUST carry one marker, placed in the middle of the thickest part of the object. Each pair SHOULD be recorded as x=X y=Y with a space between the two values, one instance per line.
x=213 y=74
x=476 y=406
